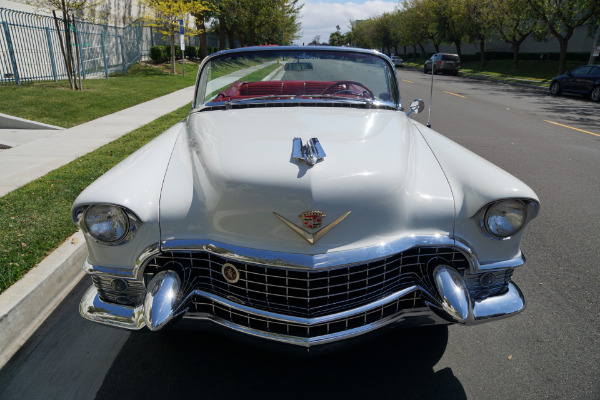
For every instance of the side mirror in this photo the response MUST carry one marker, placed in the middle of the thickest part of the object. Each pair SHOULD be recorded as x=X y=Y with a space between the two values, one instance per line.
x=416 y=106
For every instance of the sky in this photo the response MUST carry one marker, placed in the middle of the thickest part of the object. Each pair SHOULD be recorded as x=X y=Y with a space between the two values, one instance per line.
x=320 y=17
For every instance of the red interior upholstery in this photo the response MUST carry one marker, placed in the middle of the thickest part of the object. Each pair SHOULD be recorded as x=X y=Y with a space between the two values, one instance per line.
x=267 y=88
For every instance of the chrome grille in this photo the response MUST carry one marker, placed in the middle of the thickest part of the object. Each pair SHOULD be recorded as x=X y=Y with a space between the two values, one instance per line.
x=133 y=295
x=305 y=293
x=498 y=286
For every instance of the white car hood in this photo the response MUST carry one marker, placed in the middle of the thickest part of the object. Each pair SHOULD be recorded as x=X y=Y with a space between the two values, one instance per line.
x=231 y=170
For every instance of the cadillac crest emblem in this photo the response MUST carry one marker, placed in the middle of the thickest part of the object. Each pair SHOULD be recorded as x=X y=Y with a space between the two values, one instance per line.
x=312 y=219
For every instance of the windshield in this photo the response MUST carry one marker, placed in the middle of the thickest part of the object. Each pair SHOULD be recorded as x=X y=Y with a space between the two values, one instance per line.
x=305 y=75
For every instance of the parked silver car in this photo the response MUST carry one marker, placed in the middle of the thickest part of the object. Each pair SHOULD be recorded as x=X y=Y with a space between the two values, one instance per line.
x=398 y=62
x=443 y=62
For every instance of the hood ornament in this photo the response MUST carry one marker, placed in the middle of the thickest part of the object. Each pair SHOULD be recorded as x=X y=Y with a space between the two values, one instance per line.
x=311 y=153
x=311 y=220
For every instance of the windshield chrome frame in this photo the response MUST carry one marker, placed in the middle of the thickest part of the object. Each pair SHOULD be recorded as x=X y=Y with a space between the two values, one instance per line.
x=394 y=83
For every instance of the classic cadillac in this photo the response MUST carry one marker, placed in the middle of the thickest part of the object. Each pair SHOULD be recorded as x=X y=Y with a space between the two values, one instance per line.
x=298 y=202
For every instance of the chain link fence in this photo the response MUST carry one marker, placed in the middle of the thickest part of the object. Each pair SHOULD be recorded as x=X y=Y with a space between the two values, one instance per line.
x=30 y=48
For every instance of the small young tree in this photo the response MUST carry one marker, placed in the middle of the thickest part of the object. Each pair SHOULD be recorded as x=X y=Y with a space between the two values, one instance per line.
x=69 y=8
x=164 y=15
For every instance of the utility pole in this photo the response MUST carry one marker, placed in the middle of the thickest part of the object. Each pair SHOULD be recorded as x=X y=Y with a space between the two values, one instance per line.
x=595 y=46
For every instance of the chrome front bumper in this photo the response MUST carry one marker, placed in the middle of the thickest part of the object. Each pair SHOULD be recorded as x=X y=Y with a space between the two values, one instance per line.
x=452 y=304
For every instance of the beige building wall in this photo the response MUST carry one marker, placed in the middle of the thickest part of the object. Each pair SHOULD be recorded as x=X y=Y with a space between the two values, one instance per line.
x=110 y=12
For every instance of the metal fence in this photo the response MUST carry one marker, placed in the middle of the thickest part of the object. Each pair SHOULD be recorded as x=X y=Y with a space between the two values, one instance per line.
x=30 y=48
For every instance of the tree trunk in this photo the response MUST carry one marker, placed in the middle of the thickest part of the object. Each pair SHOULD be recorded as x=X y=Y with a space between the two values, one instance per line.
x=436 y=46
x=458 y=51
x=404 y=52
x=516 y=46
x=203 y=48
x=482 y=52
x=231 y=38
x=423 y=53
x=562 y=63
x=173 y=52
x=222 y=33
x=415 y=51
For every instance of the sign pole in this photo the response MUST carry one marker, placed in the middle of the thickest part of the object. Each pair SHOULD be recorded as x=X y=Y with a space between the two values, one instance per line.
x=182 y=45
x=595 y=47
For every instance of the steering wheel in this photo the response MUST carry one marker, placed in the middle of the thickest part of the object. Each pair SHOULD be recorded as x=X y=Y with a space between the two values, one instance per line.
x=363 y=94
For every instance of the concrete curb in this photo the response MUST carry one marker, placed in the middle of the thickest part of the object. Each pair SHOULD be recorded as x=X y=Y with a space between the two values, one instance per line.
x=10 y=122
x=27 y=303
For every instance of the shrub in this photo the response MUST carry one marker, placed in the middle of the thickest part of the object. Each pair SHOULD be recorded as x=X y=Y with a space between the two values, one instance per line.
x=177 y=52
x=191 y=52
x=158 y=53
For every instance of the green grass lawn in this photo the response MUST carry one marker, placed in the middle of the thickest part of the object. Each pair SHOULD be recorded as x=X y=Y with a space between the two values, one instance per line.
x=533 y=72
x=56 y=104
x=35 y=219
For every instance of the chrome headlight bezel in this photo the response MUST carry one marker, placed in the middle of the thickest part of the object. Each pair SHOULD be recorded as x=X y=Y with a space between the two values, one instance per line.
x=529 y=209
x=130 y=223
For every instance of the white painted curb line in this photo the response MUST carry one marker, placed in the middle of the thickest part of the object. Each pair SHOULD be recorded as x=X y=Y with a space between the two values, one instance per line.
x=27 y=303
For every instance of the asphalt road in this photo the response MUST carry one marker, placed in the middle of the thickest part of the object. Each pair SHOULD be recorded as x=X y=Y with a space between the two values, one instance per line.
x=551 y=351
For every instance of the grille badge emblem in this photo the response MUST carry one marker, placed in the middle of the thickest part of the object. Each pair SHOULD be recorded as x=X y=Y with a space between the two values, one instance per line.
x=230 y=273
x=312 y=220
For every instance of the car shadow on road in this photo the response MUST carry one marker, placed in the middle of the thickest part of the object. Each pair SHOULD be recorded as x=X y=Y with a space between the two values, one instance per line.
x=188 y=362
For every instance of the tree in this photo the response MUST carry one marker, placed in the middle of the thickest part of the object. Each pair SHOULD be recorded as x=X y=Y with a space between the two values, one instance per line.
x=478 y=19
x=561 y=17
x=256 y=22
x=513 y=23
x=336 y=38
x=165 y=15
x=416 y=28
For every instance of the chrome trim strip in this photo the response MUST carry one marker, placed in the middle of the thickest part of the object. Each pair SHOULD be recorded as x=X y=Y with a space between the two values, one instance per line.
x=513 y=263
x=299 y=320
x=301 y=261
x=314 y=261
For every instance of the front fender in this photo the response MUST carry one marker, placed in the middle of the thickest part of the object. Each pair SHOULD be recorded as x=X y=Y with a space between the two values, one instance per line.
x=136 y=184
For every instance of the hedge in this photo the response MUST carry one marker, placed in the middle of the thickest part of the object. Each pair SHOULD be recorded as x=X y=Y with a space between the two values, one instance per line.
x=163 y=53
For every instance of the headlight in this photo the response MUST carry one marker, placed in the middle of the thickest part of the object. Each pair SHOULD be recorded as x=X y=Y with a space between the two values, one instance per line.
x=505 y=218
x=106 y=223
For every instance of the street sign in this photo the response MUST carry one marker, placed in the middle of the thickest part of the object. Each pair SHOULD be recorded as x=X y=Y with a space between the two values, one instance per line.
x=181 y=35
x=596 y=52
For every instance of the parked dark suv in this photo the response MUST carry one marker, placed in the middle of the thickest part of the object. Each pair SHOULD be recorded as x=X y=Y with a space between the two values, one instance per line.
x=443 y=62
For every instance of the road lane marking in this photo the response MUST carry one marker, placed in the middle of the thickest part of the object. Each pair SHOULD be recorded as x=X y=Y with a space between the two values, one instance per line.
x=570 y=127
x=404 y=80
x=454 y=94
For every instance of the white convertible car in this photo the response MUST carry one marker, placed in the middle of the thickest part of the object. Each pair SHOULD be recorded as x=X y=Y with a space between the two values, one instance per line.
x=299 y=203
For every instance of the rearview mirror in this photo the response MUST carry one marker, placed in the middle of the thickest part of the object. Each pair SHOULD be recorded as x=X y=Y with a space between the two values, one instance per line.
x=416 y=106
